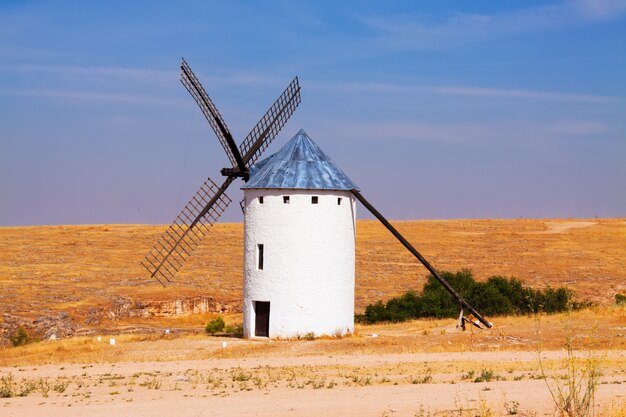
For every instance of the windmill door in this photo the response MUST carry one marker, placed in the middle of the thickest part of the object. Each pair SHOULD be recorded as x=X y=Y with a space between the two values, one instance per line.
x=262 y=318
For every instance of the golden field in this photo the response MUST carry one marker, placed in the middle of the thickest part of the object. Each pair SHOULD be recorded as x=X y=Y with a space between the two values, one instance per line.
x=75 y=268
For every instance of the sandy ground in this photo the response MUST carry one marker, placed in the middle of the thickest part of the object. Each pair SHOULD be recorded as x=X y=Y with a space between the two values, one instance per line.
x=356 y=385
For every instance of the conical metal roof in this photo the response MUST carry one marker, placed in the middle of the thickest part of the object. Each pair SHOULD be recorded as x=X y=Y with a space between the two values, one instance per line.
x=300 y=164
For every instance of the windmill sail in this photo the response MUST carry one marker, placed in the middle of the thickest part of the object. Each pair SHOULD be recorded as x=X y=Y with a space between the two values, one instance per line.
x=185 y=234
x=213 y=116
x=270 y=124
x=179 y=241
x=423 y=260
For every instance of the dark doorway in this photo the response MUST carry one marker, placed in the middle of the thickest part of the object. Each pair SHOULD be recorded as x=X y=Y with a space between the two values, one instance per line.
x=262 y=318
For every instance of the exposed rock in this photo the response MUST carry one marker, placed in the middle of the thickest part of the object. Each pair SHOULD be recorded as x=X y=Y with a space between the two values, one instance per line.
x=125 y=307
x=122 y=307
x=93 y=316
x=43 y=327
x=60 y=325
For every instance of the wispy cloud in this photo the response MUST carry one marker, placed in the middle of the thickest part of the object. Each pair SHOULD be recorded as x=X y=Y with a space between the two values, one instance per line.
x=87 y=71
x=595 y=10
x=473 y=134
x=420 y=32
x=470 y=91
x=70 y=95
x=147 y=75
x=525 y=94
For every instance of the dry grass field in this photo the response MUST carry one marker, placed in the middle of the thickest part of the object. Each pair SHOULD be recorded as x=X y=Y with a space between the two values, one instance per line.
x=596 y=329
x=418 y=368
x=76 y=269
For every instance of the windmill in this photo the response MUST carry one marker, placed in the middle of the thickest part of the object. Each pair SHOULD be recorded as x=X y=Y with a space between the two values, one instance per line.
x=299 y=227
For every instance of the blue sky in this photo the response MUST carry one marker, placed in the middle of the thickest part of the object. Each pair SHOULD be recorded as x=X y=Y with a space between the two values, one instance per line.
x=436 y=109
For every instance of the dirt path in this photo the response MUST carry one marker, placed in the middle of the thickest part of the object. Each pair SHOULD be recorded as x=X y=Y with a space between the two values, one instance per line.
x=563 y=227
x=359 y=385
x=344 y=401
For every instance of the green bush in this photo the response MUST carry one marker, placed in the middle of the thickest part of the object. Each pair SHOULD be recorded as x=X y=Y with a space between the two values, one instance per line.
x=20 y=337
x=620 y=300
x=496 y=296
x=216 y=325
x=234 y=330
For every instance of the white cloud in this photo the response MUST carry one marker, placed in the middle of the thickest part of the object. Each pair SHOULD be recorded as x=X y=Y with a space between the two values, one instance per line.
x=470 y=91
x=473 y=134
x=135 y=74
x=97 y=96
x=600 y=9
x=418 y=32
x=524 y=94
x=147 y=75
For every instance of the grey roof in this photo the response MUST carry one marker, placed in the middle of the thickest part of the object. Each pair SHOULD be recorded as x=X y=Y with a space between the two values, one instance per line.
x=300 y=164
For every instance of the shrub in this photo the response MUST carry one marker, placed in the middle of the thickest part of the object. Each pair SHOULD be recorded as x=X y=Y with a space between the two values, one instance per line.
x=216 y=325
x=486 y=375
x=234 y=330
x=574 y=392
x=620 y=300
x=20 y=337
x=496 y=296
x=7 y=387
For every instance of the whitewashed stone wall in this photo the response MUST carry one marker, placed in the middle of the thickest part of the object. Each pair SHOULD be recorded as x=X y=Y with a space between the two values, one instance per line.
x=308 y=271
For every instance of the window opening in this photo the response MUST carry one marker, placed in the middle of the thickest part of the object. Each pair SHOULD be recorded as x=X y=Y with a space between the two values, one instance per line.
x=261 y=200
x=286 y=199
x=260 y=256
x=314 y=199
x=338 y=201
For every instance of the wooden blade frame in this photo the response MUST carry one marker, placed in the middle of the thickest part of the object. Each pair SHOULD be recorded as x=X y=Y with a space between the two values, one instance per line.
x=270 y=124
x=179 y=241
x=213 y=116
x=423 y=260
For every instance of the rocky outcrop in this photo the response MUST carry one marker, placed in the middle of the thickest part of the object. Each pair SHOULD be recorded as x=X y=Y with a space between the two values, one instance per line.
x=61 y=325
x=123 y=307
x=49 y=326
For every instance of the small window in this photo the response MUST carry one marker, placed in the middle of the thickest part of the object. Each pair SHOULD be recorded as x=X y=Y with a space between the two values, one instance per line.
x=261 y=200
x=338 y=201
x=314 y=199
x=260 y=256
x=286 y=199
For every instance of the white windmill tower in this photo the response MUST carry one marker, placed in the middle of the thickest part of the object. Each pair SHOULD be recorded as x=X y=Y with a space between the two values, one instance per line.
x=299 y=227
x=299 y=235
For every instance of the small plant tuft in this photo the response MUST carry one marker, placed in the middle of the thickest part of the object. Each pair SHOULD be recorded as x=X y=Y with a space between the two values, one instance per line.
x=486 y=375
x=7 y=387
x=574 y=393
x=241 y=376
x=512 y=408
x=20 y=337
x=216 y=325
x=234 y=330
